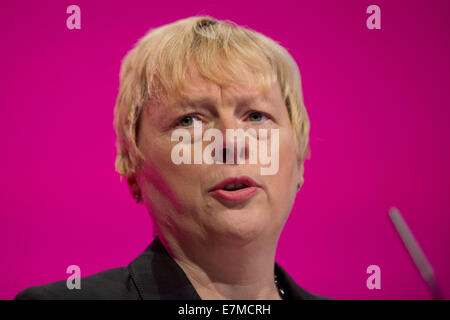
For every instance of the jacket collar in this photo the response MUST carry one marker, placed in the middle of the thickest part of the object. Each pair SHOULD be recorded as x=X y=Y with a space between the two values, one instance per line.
x=158 y=277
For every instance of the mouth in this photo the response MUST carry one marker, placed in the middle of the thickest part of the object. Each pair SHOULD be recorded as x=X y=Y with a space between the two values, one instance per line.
x=235 y=189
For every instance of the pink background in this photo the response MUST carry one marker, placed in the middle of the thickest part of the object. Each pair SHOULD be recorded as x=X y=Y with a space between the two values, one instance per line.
x=378 y=101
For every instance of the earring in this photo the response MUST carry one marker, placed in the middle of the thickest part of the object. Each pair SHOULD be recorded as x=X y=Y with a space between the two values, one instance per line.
x=298 y=186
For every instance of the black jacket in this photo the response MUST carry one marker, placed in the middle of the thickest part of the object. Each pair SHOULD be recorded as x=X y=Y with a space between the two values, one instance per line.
x=153 y=275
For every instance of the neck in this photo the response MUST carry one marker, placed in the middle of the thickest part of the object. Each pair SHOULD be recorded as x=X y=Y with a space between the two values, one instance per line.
x=227 y=270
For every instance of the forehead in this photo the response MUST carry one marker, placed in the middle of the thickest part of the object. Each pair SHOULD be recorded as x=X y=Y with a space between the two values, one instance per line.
x=247 y=88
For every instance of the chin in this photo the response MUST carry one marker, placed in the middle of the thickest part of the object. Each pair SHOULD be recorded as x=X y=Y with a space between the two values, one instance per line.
x=242 y=226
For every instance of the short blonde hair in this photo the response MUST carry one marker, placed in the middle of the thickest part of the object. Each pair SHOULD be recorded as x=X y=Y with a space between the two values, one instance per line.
x=157 y=66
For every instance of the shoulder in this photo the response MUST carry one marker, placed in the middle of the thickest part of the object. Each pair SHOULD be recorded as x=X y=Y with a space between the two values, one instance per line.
x=312 y=296
x=293 y=290
x=110 y=284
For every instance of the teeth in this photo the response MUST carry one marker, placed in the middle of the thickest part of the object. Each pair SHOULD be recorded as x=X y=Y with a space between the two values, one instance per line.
x=233 y=186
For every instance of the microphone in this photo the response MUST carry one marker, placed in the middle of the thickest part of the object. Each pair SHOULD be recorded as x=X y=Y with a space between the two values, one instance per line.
x=419 y=258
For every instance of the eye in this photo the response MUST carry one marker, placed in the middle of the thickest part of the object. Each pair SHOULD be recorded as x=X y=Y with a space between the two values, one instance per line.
x=256 y=116
x=187 y=121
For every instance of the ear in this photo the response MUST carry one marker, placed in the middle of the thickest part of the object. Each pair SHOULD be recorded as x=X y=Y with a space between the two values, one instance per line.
x=134 y=188
x=301 y=169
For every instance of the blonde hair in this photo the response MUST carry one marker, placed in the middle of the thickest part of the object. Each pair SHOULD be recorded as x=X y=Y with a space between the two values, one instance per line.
x=157 y=67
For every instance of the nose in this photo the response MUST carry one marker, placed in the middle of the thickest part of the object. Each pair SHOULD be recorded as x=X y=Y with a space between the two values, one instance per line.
x=236 y=141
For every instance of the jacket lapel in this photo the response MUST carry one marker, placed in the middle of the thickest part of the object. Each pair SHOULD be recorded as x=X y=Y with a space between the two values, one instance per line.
x=158 y=277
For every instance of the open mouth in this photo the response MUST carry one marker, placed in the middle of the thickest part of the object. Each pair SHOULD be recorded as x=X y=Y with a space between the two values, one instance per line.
x=235 y=189
x=234 y=186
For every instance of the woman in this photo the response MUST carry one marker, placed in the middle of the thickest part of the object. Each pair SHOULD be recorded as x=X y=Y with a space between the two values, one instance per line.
x=217 y=222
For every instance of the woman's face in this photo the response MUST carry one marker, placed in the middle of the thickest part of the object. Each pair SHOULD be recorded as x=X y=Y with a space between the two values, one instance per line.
x=180 y=197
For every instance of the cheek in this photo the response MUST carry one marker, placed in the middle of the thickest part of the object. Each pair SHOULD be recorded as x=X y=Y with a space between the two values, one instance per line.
x=282 y=187
x=168 y=178
x=288 y=168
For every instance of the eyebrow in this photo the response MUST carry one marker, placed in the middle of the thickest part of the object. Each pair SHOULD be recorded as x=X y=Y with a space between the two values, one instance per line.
x=244 y=100
x=185 y=102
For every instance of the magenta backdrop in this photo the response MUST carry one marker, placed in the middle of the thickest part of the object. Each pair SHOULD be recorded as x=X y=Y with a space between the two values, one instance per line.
x=378 y=101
